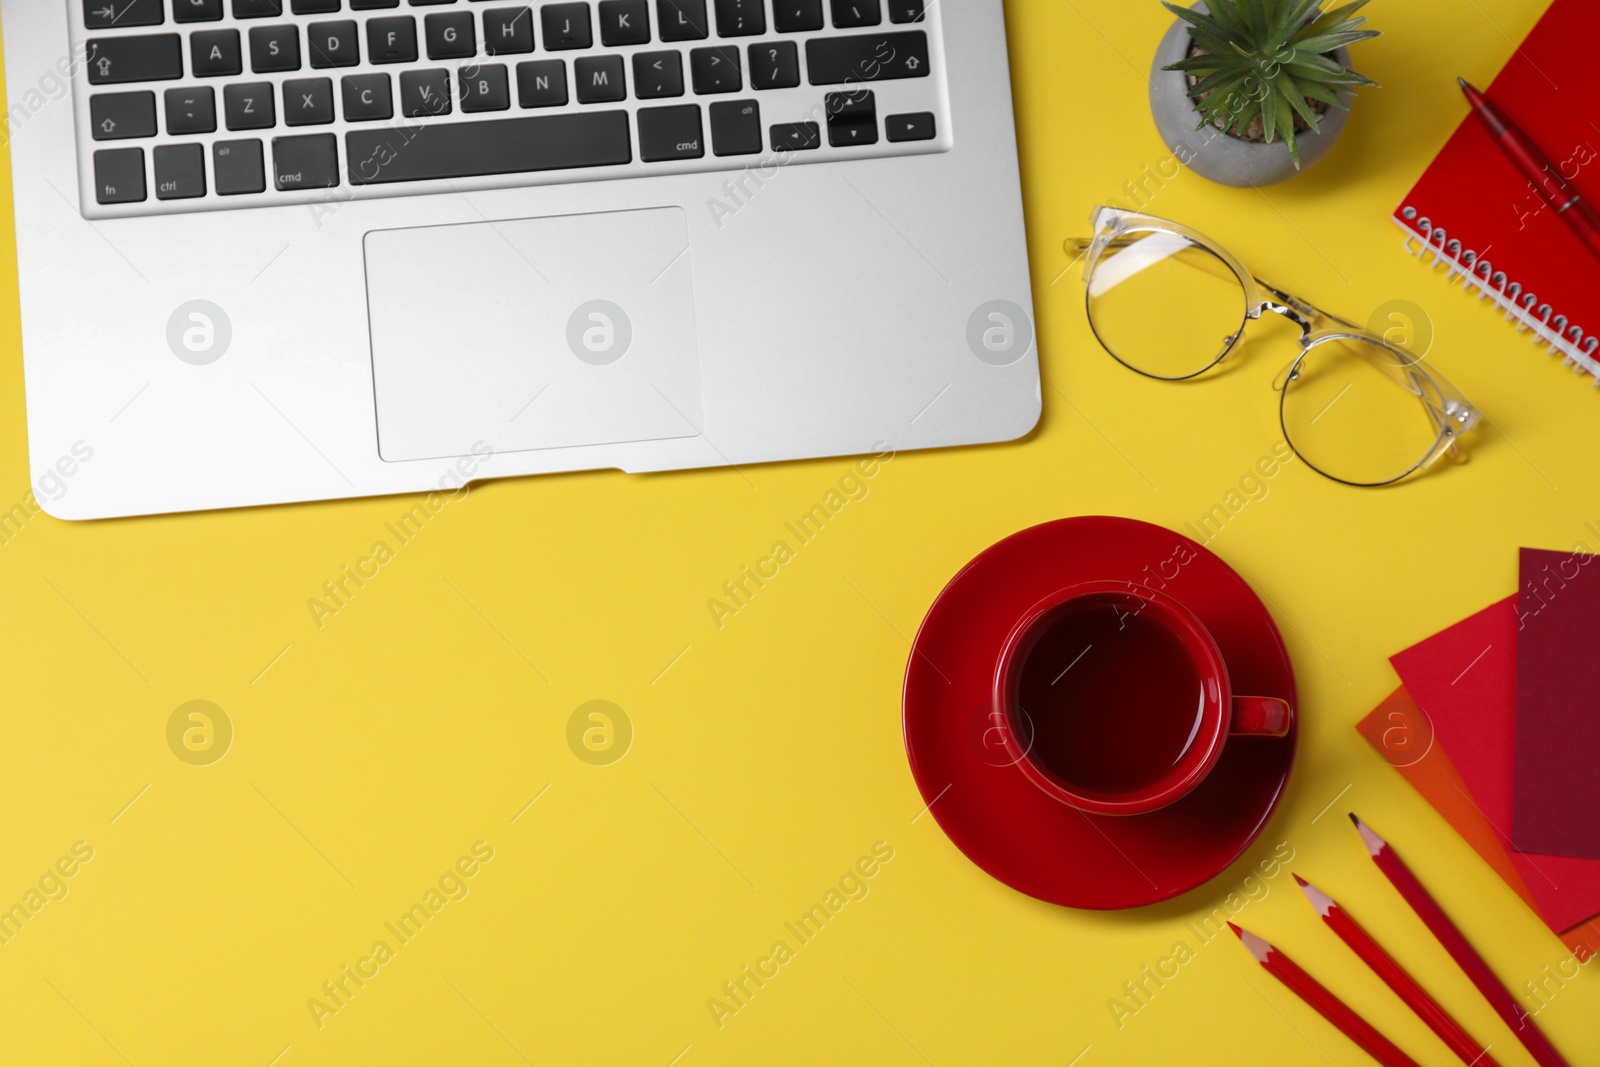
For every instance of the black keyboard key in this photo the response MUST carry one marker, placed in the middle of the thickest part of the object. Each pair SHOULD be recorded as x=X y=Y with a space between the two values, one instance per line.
x=120 y=14
x=274 y=49
x=450 y=35
x=715 y=70
x=624 y=22
x=867 y=58
x=249 y=107
x=906 y=11
x=196 y=10
x=682 y=20
x=180 y=171
x=237 y=168
x=424 y=93
x=797 y=16
x=919 y=126
x=542 y=83
x=116 y=116
x=366 y=97
x=308 y=101
x=372 y=5
x=796 y=137
x=491 y=146
x=775 y=65
x=668 y=133
x=191 y=110
x=119 y=176
x=736 y=128
x=308 y=162
x=657 y=75
x=741 y=18
x=215 y=53
x=508 y=31
x=852 y=118
x=333 y=44
x=257 y=9
x=600 y=79
x=566 y=26
x=485 y=88
x=392 y=40
x=114 y=60
x=851 y=14
x=314 y=7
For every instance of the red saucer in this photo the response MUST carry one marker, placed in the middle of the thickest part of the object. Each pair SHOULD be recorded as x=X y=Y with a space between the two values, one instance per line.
x=1007 y=826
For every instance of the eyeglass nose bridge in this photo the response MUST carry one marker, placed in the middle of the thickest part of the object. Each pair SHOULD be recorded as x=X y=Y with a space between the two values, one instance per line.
x=1296 y=311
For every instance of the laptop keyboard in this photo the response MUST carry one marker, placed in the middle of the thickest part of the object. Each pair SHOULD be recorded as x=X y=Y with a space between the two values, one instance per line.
x=189 y=105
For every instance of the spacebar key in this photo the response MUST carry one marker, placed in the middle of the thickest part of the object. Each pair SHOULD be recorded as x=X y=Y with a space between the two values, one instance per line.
x=496 y=146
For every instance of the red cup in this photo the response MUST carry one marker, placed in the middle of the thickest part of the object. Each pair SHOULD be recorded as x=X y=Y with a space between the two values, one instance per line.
x=1218 y=713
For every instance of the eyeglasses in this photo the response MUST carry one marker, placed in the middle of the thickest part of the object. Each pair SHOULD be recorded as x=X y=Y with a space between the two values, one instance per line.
x=1169 y=303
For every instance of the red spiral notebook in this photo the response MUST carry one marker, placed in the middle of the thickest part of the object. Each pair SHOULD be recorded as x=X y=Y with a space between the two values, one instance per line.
x=1475 y=213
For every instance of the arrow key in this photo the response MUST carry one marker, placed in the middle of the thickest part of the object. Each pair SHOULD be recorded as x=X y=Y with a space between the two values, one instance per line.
x=852 y=118
x=116 y=14
x=915 y=127
x=117 y=116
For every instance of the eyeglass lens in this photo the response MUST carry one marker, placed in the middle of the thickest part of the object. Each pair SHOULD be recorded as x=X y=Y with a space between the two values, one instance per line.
x=1164 y=305
x=1354 y=410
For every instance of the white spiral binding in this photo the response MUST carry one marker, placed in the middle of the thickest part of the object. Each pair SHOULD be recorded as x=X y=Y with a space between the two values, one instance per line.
x=1523 y=310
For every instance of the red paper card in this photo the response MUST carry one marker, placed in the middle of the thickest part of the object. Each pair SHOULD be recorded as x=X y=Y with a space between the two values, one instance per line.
x=1403 y=734
x=1557 y=784
x=1465 y=678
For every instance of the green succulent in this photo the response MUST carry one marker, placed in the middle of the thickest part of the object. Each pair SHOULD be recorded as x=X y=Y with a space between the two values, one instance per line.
x=1269 y=58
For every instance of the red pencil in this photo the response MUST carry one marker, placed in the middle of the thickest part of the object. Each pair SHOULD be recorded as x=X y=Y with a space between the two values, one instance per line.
x=1455 y=943
x=1396 y=978
x=1328 y=1006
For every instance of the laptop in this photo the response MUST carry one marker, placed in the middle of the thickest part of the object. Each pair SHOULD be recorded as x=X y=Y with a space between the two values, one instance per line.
x=290 y=250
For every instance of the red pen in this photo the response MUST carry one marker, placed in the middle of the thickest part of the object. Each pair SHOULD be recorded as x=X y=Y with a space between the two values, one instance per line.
x=1539 y=171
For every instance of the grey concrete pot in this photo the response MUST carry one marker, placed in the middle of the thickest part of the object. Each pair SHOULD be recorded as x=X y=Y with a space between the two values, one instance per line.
x=1218 y=156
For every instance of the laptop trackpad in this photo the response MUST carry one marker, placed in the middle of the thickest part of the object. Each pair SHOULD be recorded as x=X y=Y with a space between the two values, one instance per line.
x=533 y=333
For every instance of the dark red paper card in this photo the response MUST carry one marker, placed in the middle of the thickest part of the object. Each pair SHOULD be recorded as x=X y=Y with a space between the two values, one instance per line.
x=1465 y=679
x=1556 y=794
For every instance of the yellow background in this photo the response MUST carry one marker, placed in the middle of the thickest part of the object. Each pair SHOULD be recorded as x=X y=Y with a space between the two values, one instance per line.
x=426 y=714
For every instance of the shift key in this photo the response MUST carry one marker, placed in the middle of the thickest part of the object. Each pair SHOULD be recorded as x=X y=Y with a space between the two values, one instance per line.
x=867 y=58
x=148 y=58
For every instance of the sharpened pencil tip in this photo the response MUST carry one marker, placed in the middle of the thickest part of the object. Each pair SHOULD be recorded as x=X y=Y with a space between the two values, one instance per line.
x=1236 y=931
x=1354 y=819
x=1299 y=880
x=1321 y=901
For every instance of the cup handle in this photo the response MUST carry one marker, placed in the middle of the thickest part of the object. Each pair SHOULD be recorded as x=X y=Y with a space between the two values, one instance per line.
x=1260 y=717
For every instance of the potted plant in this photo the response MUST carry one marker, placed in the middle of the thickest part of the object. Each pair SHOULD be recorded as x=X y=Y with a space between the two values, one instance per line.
x=1251 y=92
